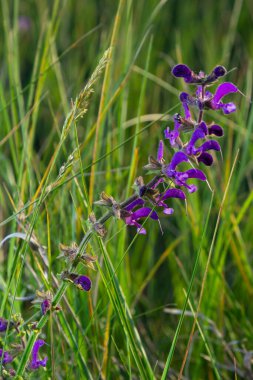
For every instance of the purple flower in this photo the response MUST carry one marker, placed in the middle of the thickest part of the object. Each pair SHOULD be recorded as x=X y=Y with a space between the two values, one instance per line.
x=45 y=306
x=180 y=178
x=214 y=102
x=35 y=362
x=83 y=282
x=174 y=135
x=131 y=217
x=183 y=71
x=3 y=324
x=223 y=90
x=200 y=152
x=7 y=358
x=170 y=193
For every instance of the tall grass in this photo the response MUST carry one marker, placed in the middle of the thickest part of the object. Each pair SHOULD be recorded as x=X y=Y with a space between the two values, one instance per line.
x=161 y=305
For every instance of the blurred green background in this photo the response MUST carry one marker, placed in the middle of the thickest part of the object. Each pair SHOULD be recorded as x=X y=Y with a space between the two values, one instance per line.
x=48 y=52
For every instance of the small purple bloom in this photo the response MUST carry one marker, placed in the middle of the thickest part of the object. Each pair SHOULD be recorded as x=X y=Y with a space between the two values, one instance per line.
x=223 y=90
x=35 y=362
x=131 y=217
x=84 y=282
x=173 y=135
x=45 y=306
x=191 y=150
x=3 y=324
x=7 y=358
x=170 y=193
x=214 y=101
x=180 y=178
x=183 y=71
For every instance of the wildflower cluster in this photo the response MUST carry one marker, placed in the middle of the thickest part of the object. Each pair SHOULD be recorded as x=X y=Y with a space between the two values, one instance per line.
x=7 y=356
x=170 y=181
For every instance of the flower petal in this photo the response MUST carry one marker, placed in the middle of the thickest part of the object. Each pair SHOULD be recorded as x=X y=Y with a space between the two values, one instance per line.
x=136 y=202
x=84 y=281
x=228 y=108
x=45 y=306
x=209 y=145
x=206 y=158
x=223 y=90
x=192 y=188
x=160 y=151
x=177 y=159
x=194 y=173
x=168 y=210
x=35 y=362
x=3 y=324
x=144 y=212
x=203 y=127
x=182 y=71
x=172 y=193
x=141 y=230
x=219 y=71
x=7 y=358
x=215 y=130
x=184 y=97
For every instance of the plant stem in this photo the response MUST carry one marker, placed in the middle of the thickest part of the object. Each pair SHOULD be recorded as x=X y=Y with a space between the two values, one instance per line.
x=63 y=287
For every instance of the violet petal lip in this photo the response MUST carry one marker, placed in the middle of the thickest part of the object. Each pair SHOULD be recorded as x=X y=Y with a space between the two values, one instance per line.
x=197 y=134
x=206 y=158
x=223 y=90
x=177 y=159
x=136 y=202
x=210 y=145
x=144 y=212
x=172 y=193
x=181 y=71
x=215 y=130
x=184 y=97
x=194 y=173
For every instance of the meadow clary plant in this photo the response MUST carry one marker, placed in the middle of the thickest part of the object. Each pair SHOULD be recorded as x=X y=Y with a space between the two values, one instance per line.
x=172 y=179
